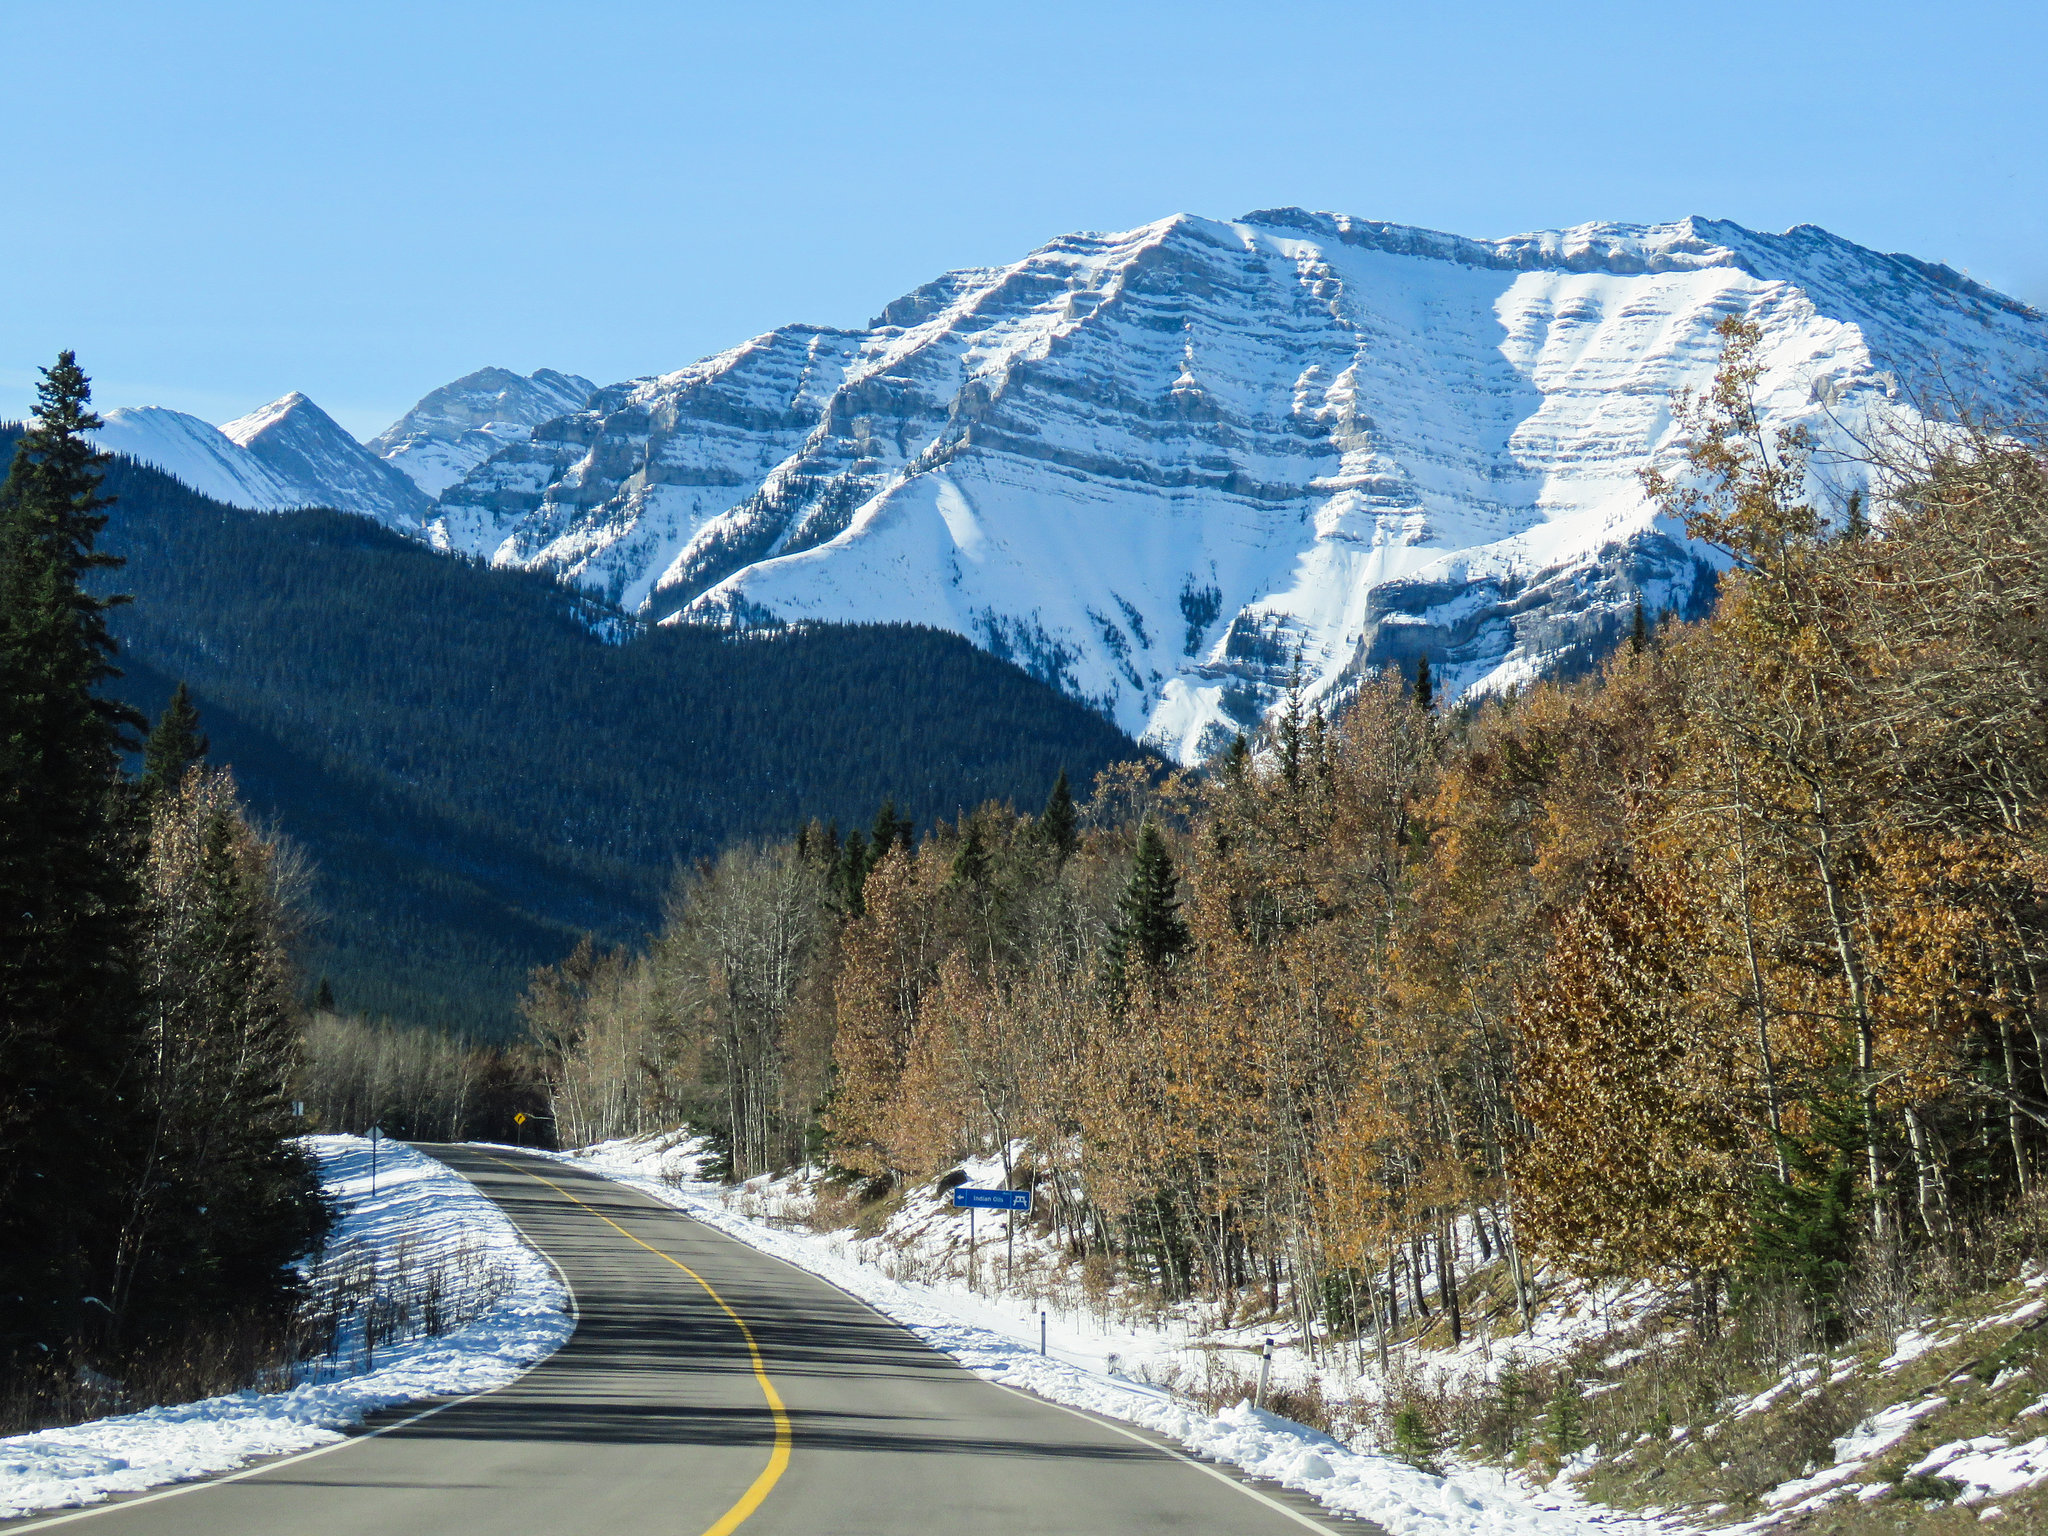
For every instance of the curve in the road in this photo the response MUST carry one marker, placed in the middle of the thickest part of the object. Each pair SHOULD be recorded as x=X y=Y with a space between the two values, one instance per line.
x=711 y=1388
x=778 y=1459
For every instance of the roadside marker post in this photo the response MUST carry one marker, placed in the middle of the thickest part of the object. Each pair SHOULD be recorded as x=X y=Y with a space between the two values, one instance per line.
x=1265 y=1374
x=968 y=1198
x=370 y=1304
x=1041 y=1330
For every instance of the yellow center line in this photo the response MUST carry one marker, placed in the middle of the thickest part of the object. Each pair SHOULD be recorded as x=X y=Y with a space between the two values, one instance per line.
x=778 y=1460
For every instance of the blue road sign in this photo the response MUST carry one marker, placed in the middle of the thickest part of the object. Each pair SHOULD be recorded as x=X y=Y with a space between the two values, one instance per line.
x=966 y=1197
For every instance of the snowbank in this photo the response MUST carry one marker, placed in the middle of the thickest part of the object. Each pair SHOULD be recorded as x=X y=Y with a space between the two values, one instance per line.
x=998 y=1341
x=420 y=1204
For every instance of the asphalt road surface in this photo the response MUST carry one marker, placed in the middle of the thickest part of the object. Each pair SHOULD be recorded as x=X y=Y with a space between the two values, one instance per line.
x=710 y=1389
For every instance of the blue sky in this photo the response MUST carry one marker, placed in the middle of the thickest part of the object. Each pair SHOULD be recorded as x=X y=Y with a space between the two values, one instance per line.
x=218 y=203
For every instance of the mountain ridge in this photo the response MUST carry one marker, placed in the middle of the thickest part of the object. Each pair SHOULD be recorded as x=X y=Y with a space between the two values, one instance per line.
x=1341 y=440
x=1160 y=467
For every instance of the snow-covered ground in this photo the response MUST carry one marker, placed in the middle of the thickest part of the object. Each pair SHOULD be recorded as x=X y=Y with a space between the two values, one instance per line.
x=425 y=1217
x=1096 y=1360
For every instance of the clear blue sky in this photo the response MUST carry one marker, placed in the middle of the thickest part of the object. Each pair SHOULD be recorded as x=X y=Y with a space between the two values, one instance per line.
x=217 y=203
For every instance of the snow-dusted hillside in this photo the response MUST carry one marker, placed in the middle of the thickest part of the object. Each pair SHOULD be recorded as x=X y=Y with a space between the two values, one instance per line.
x=302 y=444
x=459 y=425
x=1155 y=466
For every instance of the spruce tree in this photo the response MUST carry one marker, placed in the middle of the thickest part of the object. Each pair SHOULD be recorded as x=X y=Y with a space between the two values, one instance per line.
x=971 y=862
x=1059 y=823
x=849 y=878
x=1639 y=631
x=67 y=896
x=1854 y=524
x=1291 y=723
x=1425 y=690
x=891 y=831
x=174 y=746
x=1148 y=931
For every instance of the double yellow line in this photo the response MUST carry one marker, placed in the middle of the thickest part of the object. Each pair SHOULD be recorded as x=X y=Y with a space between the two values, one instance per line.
x=778 y=1460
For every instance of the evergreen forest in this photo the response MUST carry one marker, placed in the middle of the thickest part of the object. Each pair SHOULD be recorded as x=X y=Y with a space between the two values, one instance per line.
x=153 y=1199
x=483 y=765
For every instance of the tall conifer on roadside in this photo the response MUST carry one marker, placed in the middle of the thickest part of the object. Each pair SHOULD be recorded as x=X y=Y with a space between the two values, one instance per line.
x=68 y=1011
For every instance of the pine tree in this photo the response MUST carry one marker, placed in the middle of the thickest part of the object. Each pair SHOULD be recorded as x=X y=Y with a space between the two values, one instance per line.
x=67 y=895
x=1425 y=690
x=849 y=877
x=1855 y=525
x=971 y=862
x=174 y=745
x=1290 y=725
x=1149 y=931
x=1059 y=822
x=1806 y=1227
x=891 y=831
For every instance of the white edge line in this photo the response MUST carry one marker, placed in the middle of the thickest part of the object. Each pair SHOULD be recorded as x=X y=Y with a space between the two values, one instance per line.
x=1100 y=1420
x=109 y=1506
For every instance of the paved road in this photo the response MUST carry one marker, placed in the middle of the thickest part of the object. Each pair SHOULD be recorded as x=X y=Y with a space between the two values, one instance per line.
x=710 y=1389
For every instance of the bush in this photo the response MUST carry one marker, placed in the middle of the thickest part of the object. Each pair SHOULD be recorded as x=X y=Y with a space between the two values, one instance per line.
x=1415 y=1441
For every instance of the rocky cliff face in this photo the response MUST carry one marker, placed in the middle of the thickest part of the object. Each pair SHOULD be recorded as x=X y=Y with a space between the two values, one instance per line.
x=1159 y=466
x=459 y=425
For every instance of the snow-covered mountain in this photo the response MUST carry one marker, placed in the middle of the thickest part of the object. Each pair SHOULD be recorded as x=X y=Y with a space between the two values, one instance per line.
x=286 y=454
x=302 y=444
x=459 y=425
x=1155 y=467
x=201 y=455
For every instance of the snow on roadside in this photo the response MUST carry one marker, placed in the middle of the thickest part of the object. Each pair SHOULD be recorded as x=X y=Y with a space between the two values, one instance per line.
x=420 y=1203
x=995 y=1343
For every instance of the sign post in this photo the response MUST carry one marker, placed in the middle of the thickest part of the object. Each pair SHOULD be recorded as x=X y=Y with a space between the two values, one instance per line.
x=966 y=1197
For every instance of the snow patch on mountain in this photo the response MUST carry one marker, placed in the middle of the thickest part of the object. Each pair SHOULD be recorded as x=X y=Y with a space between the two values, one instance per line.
x=460 y=425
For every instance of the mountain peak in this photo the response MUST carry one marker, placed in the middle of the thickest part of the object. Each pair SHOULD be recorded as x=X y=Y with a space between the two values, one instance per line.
x=268 y=418
x=302 y=445
x=456 y=427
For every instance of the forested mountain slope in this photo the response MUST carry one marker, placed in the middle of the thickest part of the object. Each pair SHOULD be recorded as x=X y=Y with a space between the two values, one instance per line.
x=481 y=774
